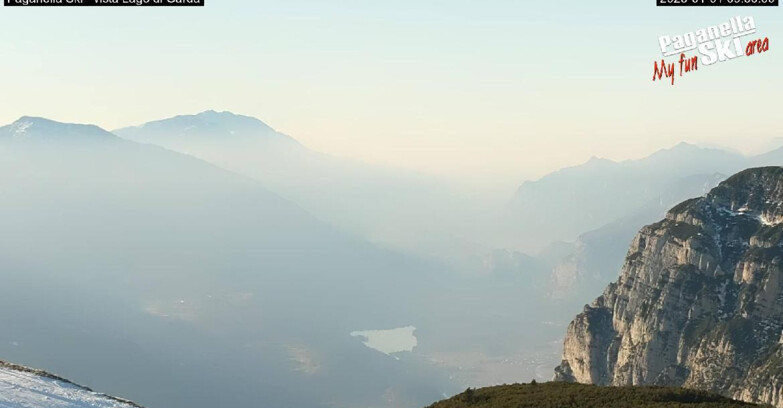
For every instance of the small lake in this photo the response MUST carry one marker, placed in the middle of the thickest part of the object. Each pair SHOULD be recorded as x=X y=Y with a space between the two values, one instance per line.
x=389 y=341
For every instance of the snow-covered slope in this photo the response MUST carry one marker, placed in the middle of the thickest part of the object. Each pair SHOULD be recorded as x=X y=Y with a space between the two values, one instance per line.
x=22 y=387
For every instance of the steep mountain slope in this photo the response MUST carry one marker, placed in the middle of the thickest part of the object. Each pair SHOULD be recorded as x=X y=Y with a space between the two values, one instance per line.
x=699 y=302
x=119 y=254
x=392 y=206
x=572 y=201
x=22 y=387
x=558 y=395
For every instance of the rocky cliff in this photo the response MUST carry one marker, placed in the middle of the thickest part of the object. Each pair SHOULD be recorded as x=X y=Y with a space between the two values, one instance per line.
x=699 y=302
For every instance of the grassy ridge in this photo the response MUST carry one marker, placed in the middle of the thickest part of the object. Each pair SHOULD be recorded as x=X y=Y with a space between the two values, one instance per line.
x=566 y=395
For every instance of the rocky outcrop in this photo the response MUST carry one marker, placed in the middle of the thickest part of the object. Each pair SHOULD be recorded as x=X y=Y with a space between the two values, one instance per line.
x=699 y=302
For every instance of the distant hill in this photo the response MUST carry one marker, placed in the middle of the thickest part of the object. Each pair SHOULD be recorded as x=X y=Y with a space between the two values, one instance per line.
x=559 y=395
x=571 y=201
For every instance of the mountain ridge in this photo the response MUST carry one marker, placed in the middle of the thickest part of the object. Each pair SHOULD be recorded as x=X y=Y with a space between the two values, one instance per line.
x=42 y=129
x=205 y=125
x=571 y=201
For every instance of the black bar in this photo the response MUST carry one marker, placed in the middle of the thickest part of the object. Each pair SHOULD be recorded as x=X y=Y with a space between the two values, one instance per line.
x=103 y=3
x=717 y=3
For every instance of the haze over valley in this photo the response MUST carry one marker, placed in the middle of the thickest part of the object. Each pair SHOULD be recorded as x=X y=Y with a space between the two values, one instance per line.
x=374 y=204
x=212 y=254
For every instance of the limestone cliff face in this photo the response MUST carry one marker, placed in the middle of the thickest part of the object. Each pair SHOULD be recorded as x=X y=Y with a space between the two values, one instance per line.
x=699 y=302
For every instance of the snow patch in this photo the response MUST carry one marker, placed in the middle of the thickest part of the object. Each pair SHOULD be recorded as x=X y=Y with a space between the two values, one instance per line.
x=762 y=218
x=20 y=128
x=21 y=389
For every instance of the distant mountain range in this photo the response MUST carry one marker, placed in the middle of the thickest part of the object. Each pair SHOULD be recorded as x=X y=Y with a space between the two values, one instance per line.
x=120 y=234
x=424 y=215
x=215 y=232
x=579 y=221
x=572 y=201
x=128 y=266
x=392 y=206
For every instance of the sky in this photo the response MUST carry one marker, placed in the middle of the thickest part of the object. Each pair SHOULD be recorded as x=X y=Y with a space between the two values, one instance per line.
x=480 y=90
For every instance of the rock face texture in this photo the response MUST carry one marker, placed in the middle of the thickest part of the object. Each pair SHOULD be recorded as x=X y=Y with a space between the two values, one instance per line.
x=699 y=302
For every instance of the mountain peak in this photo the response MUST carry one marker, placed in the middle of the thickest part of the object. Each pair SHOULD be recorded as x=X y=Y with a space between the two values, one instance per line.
x=595 y=160
x=684 y=146
x=42 y=129
x=216 y=114
x=689 y=158
x=213 y=112
x=25 y=122
x=679 y=150
x=206 y=126
x=214 y=117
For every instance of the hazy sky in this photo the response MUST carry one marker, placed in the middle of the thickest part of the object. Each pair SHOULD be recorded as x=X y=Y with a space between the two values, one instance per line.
x=472 y=88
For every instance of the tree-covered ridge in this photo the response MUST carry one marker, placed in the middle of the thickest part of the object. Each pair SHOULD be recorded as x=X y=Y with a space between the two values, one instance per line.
x=569 y=395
